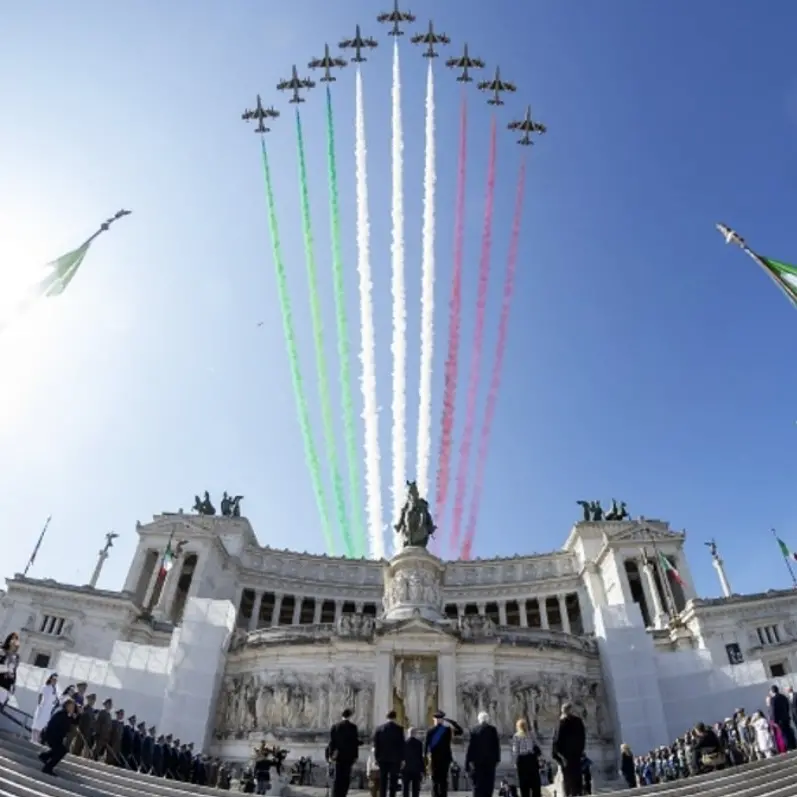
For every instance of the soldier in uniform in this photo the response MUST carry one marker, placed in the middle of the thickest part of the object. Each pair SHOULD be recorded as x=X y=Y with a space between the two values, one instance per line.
x=115 y=745
x=103 y=723
x=85 y=726
x=437 y=749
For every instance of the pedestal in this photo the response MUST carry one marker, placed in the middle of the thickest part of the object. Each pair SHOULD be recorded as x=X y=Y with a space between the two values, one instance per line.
x=413 y=581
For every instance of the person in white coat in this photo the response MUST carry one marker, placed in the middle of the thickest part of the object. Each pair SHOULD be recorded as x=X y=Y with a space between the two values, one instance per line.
x=763 y=736
x=48 y=703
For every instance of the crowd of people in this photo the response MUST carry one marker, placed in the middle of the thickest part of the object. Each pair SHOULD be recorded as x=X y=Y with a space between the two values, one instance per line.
x=733 y=741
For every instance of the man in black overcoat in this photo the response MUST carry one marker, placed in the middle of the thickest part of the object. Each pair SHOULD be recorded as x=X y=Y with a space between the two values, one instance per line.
x=343 y=750
x=569 y=741
x=483 y=756
x=389 y=754
x=414 y=767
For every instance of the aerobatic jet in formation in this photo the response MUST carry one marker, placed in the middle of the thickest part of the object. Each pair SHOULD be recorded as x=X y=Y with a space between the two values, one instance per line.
x=260 y=114
x=358 y=44
x=496 y=87
x=327 y=63
x=465 y=63
x=395 y=18
x=295 y=84
x=430 y=38
x=528 y=127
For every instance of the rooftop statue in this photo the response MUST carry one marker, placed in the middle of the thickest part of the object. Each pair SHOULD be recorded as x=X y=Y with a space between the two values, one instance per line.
x=594 y=512
x=415 y=524
x=204 y=506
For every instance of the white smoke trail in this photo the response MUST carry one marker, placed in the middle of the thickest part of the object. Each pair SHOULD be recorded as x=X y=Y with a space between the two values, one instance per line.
x=373 y=481
x=427 y=293
x=399 y=343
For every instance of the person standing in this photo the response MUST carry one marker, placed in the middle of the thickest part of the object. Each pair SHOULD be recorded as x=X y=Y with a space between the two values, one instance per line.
x=437 y=750
x=389 y=754
x=47 y=703
x=55 y=734
x=9 y=662
x=569 y=741
x=483 y=756
x=414 y=766
x=103 y=723
x=526 y=755
x=344 y=750
x=780 y=714
x=83 y=739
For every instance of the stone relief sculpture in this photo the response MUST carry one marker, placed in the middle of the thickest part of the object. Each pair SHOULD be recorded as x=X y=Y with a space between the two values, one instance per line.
x=477 y=626
x=508 y=697
x=357 y=626
x=415 y=689
x=280 y=702
x=417 y=586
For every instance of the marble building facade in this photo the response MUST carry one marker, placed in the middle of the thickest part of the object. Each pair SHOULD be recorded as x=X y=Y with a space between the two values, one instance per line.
x=309 y=635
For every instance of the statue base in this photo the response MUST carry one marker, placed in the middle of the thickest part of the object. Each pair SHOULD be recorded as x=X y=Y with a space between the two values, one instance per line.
x=413 y=586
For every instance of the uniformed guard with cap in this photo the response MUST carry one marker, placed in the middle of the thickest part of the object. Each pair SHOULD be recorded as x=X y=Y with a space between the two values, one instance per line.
x=437 y=749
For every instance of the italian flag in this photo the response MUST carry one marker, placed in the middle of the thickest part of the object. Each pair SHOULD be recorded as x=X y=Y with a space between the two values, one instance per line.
x=784 y=549
x=667 y=567
x=168 y=560
x=785 y=276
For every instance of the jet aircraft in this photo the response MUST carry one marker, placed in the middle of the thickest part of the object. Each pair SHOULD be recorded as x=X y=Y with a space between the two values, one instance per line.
x=396 y=17
x=358 y=44
x=260 y=114
x=730 y=236
x=496 y=87
x=430 y=38
x=327 y=63
x=528 y=127
x=295 y=84
x=465 y=63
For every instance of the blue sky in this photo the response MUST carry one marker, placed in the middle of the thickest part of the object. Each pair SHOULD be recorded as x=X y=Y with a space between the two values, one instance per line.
x=646 y=361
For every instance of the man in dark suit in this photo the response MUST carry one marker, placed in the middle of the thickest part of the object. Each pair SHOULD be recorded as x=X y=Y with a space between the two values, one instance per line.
x=103 y=722
x=569 y=741
x=483 y=756
x=780 y=714
x=389 y=754
x=344 y=750
x=55 y=734
x=437 y=749
x=414 y=766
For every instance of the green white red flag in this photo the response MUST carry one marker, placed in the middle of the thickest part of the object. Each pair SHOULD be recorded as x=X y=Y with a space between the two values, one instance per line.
x=669 y=568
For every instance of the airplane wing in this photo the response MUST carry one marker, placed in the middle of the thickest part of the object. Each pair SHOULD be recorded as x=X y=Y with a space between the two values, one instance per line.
x=315 y=63
x=338 y=62
x=455 y=63
x=346 y=43
x=477 y=63
x=514 y=125
x=540 y=127
x=443 y=39
x=283 y=84
x=308 y=84
x=485 y=85
x=510 y=87
x=384 y=18
x=418 y=38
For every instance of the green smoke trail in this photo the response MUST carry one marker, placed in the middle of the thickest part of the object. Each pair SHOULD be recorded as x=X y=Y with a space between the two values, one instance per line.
x=355 y=501
x=293 y=358
x=318 y=338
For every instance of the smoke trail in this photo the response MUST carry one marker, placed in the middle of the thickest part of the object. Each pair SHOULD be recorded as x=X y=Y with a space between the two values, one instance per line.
x=343 y=339
x=373 y=482
x=427 y=294
x=318 y=340
x=455 y=318
x=478 y=344
x=398 y=345
x=310 y=452
x=495 y=377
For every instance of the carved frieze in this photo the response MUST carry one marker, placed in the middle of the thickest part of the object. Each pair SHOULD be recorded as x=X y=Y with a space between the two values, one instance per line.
x=285 y=702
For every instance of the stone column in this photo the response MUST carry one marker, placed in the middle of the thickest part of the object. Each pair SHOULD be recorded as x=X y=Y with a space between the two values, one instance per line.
x=543 y=613
x=524 y=618
x=255 y=618
x=660 y=617
x=338 y=614
x=153 y=580
x=317 y=611
x=648 y=588
x=383 y=686
x=359 y=607
x=563 y=613
x=481 y=608
x=297 y=609
x=502 y=613
x=275 y=615
x=447 y=683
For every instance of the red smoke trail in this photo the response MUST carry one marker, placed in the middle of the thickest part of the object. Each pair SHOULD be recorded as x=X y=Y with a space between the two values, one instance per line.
x=495 y=377
x=478 y=344
x=455 y=318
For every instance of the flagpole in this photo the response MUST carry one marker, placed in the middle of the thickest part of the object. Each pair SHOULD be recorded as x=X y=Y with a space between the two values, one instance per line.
x=663 y=578
x=37 y=546
x=160 y=577
x=732 y=237
x=786 y=560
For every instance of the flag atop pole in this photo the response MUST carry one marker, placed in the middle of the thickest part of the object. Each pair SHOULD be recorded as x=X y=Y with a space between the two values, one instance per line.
x=59 y=273
x=669 y=568
x=784 y=275
x=37 y=546
x=788 y=556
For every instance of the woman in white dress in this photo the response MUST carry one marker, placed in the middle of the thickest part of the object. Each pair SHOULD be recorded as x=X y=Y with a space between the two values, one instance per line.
x=48 y=702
